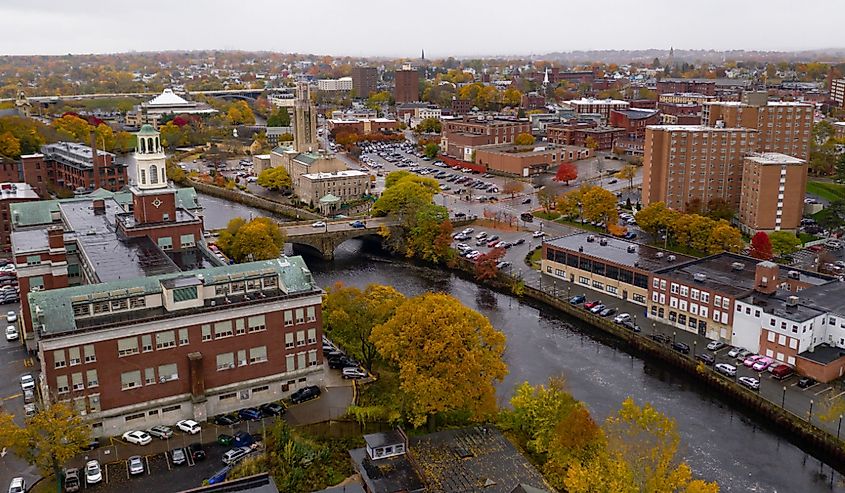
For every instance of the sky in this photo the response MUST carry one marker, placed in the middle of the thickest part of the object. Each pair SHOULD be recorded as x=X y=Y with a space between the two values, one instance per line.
x=401 y=28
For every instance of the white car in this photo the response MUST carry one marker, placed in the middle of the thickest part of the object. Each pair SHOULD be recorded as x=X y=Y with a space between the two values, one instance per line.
x=622 y=317
x=11 y=333
x=319 y=224
x=354 y=372
x=27 y=382
x=17 y=485
x=11 y=317
x=93 y=472
x=138 y=437
x=750 y=382
x=726 y=369
x=538 y=234
x=189 y=426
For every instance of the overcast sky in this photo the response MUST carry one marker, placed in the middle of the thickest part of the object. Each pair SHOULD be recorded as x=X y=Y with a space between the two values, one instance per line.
x=402 y=28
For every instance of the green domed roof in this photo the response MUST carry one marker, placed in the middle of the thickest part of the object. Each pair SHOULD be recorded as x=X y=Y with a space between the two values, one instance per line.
x=147 y=129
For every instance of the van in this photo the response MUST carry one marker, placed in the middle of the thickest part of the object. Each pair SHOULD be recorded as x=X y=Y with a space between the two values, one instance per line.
x=782 y=371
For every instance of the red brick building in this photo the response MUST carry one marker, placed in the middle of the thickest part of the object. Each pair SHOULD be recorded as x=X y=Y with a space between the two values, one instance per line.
x=11 y=193
x=407 y=86
x=633 y=123
x=10 y=171
x=526 y=160
x=577 y=134
x=532 y=101
x=460 y=138
x=701 y=86
x=73 y=167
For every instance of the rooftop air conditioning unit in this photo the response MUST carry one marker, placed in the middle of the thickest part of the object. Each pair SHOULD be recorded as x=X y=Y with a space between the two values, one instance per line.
x=632 y=249
x=794 y=274
x=591 y=238
x=671 y=258
x=792 y=301
x=659 y=255
x=700 y=277
x=737 y=266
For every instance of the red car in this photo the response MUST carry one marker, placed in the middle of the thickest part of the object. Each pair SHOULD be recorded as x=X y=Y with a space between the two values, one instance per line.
x=591 y=304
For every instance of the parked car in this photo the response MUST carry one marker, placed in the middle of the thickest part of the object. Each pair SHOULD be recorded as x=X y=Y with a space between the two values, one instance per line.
x=11 y=317
x=681 y=347
x=726 y=369
x=30 y=409
x=661 y=338
x=734 y=351
x=196 y=451
x=161 y=431
x=781 y=371
x=72 y=483
x=188 y=426
x=249 y=414
x=341 y=362
x=631 y=326
x=716 y=345
x=305 y=394
x=750 y=382
x=135 y=465
x=622 y=317
x=705 y=358
x=590 y=304
x=242 y=439
x=225 y=439
x=538 y=234
x=354 y=373
x=234 y=455
x=319 y=224
x=607 y=312
x=137 y=437
x=743 y=355
x=750 y=360
x=11 y=333
x=17 y=485
x=806 y=382
x=597 y=308
x=226 y=420
x=178 y=457
x=27 y=382
x=272 y=409
x=93 y=472
x=762 y=364
x=577 y=299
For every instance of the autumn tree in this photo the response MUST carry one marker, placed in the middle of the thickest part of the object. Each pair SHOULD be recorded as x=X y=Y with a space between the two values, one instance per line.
x=49 y=439
x=432 y=338
x=431 y=150
x=239 y=113
x=429 y=234
x=656 y=218
x=28 y=133
x=784 y=242
x=592 y=203
x=279 y=118
x=511 y=97
x=350 y=314
x=524 y=139
x=486 y=265
x=725 y=238
x=71 y=127
x=566 y=173
x=258 y=239
x=430 y=125
x=761 y=246
x=9 y=145
x=274 y=178
x=512 y=187
x=405 y=193
x=591 y=143
x=628 y=172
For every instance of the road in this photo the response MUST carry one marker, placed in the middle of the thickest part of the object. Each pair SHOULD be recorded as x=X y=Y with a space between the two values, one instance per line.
x=333 y=226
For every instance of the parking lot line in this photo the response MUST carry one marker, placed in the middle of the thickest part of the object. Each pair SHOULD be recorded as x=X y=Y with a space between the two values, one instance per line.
x=824 y=390
x=147 y=460
x=839 y=394
x=810 y=387
x=13 y=396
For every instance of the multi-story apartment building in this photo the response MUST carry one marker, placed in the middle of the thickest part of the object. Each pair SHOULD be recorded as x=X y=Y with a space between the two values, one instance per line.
x=525 y=160
x=335 y=85
x=460 y=138
x=601 y=107
x=760 y=208
x=700 y=86
x=837 y=92
x=686 y=162
x=633 y=123
x=74 y=167
x=407 y=85
x=584 y=134
x=684 y=98
x=364 y=81
x=782 y=126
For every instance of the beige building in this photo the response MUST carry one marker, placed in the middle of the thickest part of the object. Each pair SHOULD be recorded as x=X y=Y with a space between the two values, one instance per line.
x=685 y=98
x=687 y=162
x=343 y=185
x=837 y=92
x=761 y=209
x=298 y=164
x=602 y=107
x=305 y=120
x=783 y=126
x=260 y=162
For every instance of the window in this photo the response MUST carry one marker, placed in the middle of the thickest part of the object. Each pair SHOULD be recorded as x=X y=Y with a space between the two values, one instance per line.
x=288 y=318
x=165 y=243
x=584 y=281
x=781 y=339
x=300 y=359
x=674 y=288
x=73 y=356
x=149 y=376
x=311 y=314
x=59 y=358
x=312 y=357
x=726 y=303
x=137 y=302
x=81 y=310
x=717 y=301
x=170 y=409
x=223 y=329
x=289 y=363
x=598 y=285
x=793 y=343
x=258 y=354
x=206 y=333
x=33 y=259
x=257 y=323
x=682 y=319
x=300 y=338
x=655 y=283
x=289 y=340
x=228 y=396
x=225 y=361
x=263 y=388
x=183 y=337
x=76 y=379
x=61 y=384
x=240 y=328
x=684 y=291
x=772 y=322
x=312 y=336
x=90 y=355
x=300 y=315
x=705 y=297
x=128 y=346
x=133 y=417
x=185 y=294
x=146 y=343
x=130 y=379
x=187 y=241
x=91 y=376
x=168 y=372
x=242 y=357
x=94 y=406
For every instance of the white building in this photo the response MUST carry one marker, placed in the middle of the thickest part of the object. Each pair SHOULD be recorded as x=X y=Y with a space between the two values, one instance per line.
x=342 y=84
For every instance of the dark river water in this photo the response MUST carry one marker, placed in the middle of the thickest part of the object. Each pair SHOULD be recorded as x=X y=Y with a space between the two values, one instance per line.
x=720 y=443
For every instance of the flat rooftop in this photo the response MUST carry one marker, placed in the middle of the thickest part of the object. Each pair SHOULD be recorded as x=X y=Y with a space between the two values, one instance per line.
x=17 y=191
x=823 y=354
x=722 y=273
x=644 y=257
x=698 y=128
x=774 y=158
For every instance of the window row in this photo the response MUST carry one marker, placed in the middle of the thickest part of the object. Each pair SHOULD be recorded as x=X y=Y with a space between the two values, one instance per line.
x=73 y=356
x=163 y=340
x=597 y=267
x=75 y=382
x=132 y=379
x=243 y=357
x=229 y=328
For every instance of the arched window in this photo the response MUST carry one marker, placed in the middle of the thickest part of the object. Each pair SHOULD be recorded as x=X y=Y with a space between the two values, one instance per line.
x=150 y=147
x=158 y=144
x=143 y=177
x=153 y=174
x=142 y=143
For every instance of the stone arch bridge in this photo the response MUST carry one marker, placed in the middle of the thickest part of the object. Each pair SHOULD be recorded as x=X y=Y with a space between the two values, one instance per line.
x=325 y=239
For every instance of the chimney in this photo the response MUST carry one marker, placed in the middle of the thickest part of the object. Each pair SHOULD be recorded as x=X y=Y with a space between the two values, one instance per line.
x=766 y=277
x=99 y=206
x=55 y=237
x=95 y=166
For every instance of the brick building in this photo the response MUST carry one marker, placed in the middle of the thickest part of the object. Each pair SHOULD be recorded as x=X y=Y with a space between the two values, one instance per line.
x=407 y=85
x=73 y=167
x=577 y=134
x=460 y=138
x=532 y=101
x=760 y=208
x=10 y=170
x=601 y=107
x=526 y=160
x=136 y=323
x=461 y=106
x=364 y=81
x=363 y=126
x=837 y=92
x=701 y=86
x=633 y=123
x=685 y=98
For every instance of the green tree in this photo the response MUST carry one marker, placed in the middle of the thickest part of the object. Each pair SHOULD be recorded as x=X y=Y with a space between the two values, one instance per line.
x=259 y=239
x=49 y=439
x=430 y=125
x=172 y=135
x=431 y=150
x=432 y=338
x=279 y=118
x=404 y=195
x=524 y=139
x=784 y=242
x=822 y=149
x=274 y=178
x=430 y=235
x=378 y=100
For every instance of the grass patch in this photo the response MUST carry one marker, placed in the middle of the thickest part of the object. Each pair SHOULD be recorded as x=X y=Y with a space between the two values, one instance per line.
x=548 y=216
x=584 y=226
x=807 y=237
x=533 y=260
x=826 y=190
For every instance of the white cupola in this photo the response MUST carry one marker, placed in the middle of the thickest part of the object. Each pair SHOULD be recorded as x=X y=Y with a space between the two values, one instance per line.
x=150 y=160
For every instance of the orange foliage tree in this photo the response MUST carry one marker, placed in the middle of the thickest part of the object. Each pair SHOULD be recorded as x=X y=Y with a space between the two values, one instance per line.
x=485 y=265
x=566 y=172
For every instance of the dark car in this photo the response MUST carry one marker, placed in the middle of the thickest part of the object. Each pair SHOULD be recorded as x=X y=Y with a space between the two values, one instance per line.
x=357 y=224
x=305 y=394
x=681 y=347
x=242 y=439
x=94 y=443
x=226 y=420
x=630 y=326
x=177 y=456
x=272 y=409
x=526 y=201
x=608 y=312
x=249 y=414
x=527 y=217
x=805 y=382
x=661 y=338
x=705 y=358
x=460 y=214
x=196 y=451
x=519 y=241
x=225 y=439
x=577 y=299
x=341 y=363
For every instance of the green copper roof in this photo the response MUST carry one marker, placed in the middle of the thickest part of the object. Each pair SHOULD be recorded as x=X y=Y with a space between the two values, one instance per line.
x=329 y=199
x=147 y=129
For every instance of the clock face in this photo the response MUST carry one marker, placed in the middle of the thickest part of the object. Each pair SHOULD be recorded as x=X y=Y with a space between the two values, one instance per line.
x=157 y=203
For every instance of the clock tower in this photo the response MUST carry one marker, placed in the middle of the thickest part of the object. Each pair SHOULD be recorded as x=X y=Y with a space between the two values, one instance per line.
x=153 y=200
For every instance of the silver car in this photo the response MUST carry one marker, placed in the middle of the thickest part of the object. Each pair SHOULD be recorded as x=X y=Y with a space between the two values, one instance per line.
x=135 y=465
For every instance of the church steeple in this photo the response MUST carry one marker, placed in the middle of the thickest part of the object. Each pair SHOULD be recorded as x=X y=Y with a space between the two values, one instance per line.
x=150 y=160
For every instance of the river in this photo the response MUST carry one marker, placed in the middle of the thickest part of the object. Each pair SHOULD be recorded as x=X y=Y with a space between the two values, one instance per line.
x=218 y=212
x=720 y=443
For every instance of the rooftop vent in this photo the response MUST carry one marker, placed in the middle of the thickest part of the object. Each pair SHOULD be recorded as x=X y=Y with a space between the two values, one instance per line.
x=659 y=255
x=632 y=249
x=700 y=277
x=603 y=242
x=794 y=274
x=792 y=302
x=671 y=258
x=737 y=266
x=591 y=238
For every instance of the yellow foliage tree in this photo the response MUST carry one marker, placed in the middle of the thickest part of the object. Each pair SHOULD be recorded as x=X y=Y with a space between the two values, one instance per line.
x=259 y=239
x=524 y=139
x=71 y=127
x=448 y=356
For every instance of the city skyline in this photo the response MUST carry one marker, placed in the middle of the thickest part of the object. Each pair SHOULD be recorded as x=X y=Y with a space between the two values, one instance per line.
x=442 y=28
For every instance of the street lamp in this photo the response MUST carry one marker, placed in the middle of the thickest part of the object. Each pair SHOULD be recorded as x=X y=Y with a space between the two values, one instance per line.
x=811 y=410
x=839 y=428
x=783 y=398
x=673 y=336
x=554 y=287
x=694 y=345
